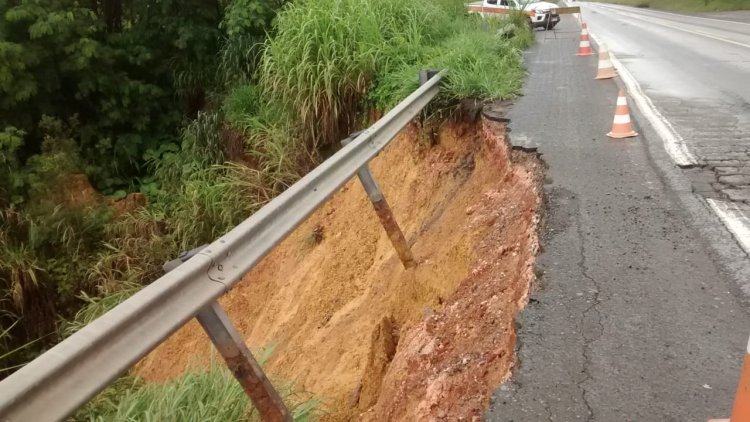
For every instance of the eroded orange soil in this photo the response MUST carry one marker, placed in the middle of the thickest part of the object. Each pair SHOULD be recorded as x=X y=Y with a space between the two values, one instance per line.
x=370 y=339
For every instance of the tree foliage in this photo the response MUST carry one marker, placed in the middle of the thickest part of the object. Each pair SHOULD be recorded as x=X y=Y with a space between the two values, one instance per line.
x=122 y=93
x=127 y=71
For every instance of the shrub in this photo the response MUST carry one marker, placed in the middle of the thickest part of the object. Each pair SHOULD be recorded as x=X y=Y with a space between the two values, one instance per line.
x=241 y=103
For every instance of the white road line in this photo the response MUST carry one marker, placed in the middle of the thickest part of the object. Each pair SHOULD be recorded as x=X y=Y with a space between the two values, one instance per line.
x=727 y=40
x=732 y=217
x=656 y=21
x=674 y=144
x=674 y=14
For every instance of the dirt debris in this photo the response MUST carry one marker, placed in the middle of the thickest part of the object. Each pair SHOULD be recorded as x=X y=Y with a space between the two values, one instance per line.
x=448 y=364
x=369 y=338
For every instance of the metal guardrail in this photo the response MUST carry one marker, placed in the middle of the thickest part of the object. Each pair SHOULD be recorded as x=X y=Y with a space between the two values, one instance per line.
x=55 y=384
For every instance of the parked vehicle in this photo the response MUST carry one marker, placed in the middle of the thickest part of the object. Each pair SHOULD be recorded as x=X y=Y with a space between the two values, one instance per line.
x=541 y=14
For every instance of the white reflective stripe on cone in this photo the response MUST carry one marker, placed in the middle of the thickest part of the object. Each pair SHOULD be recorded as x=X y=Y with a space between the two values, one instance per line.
x=605 y=63
x=585 y=44
x=622 y=119
x=622 y=101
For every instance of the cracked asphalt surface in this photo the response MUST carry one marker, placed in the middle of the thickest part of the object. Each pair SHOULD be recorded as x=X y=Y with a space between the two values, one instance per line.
x=633 y=318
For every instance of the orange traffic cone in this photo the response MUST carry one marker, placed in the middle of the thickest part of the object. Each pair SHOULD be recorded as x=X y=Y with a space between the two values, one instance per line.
x=606 y=70
x=741 y=408
x=621 y=127
x=584 y=47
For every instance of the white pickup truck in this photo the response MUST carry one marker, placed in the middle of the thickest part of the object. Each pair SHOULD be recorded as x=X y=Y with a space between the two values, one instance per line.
x=541 y=14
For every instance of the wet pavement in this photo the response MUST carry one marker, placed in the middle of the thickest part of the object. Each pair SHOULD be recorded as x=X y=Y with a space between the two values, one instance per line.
x=695 y=70
x=638 y=314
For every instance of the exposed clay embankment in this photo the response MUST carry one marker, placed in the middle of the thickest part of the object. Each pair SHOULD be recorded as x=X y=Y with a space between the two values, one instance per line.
x=370 y=339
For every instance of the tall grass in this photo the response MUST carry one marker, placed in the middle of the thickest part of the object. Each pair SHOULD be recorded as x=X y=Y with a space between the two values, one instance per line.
x=207 y=205
x=199 y=395
x=326 y=53
x=96 y=306
x=43 y=258
x=274 y=152
x=329 y=60
x=480 y=66
x=482 y=59
x=12 y=355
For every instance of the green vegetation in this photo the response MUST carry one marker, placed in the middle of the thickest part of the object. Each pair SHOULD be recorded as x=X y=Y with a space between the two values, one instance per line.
x=120 y=96
x=197 y=114
x=687 y=5
x=199 y=395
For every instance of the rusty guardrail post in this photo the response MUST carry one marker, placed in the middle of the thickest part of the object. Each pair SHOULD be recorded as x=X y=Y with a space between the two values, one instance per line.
x=240 y=361
x=237 y=356
x=383 y=210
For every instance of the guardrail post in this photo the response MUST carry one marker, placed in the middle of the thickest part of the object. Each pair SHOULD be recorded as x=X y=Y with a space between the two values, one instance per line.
x=240 y=361
x=229 y=343
x=426 y=75
x=383 y=210
x=427 y=126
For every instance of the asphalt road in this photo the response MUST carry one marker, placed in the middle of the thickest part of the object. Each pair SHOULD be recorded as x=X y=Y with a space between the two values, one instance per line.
x=635 y=316
x=696 y=71
x=678 y=56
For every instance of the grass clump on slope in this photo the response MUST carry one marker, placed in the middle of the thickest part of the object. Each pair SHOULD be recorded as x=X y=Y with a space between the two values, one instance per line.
x=211 y=395
x=326 y=53
x=332 y=60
